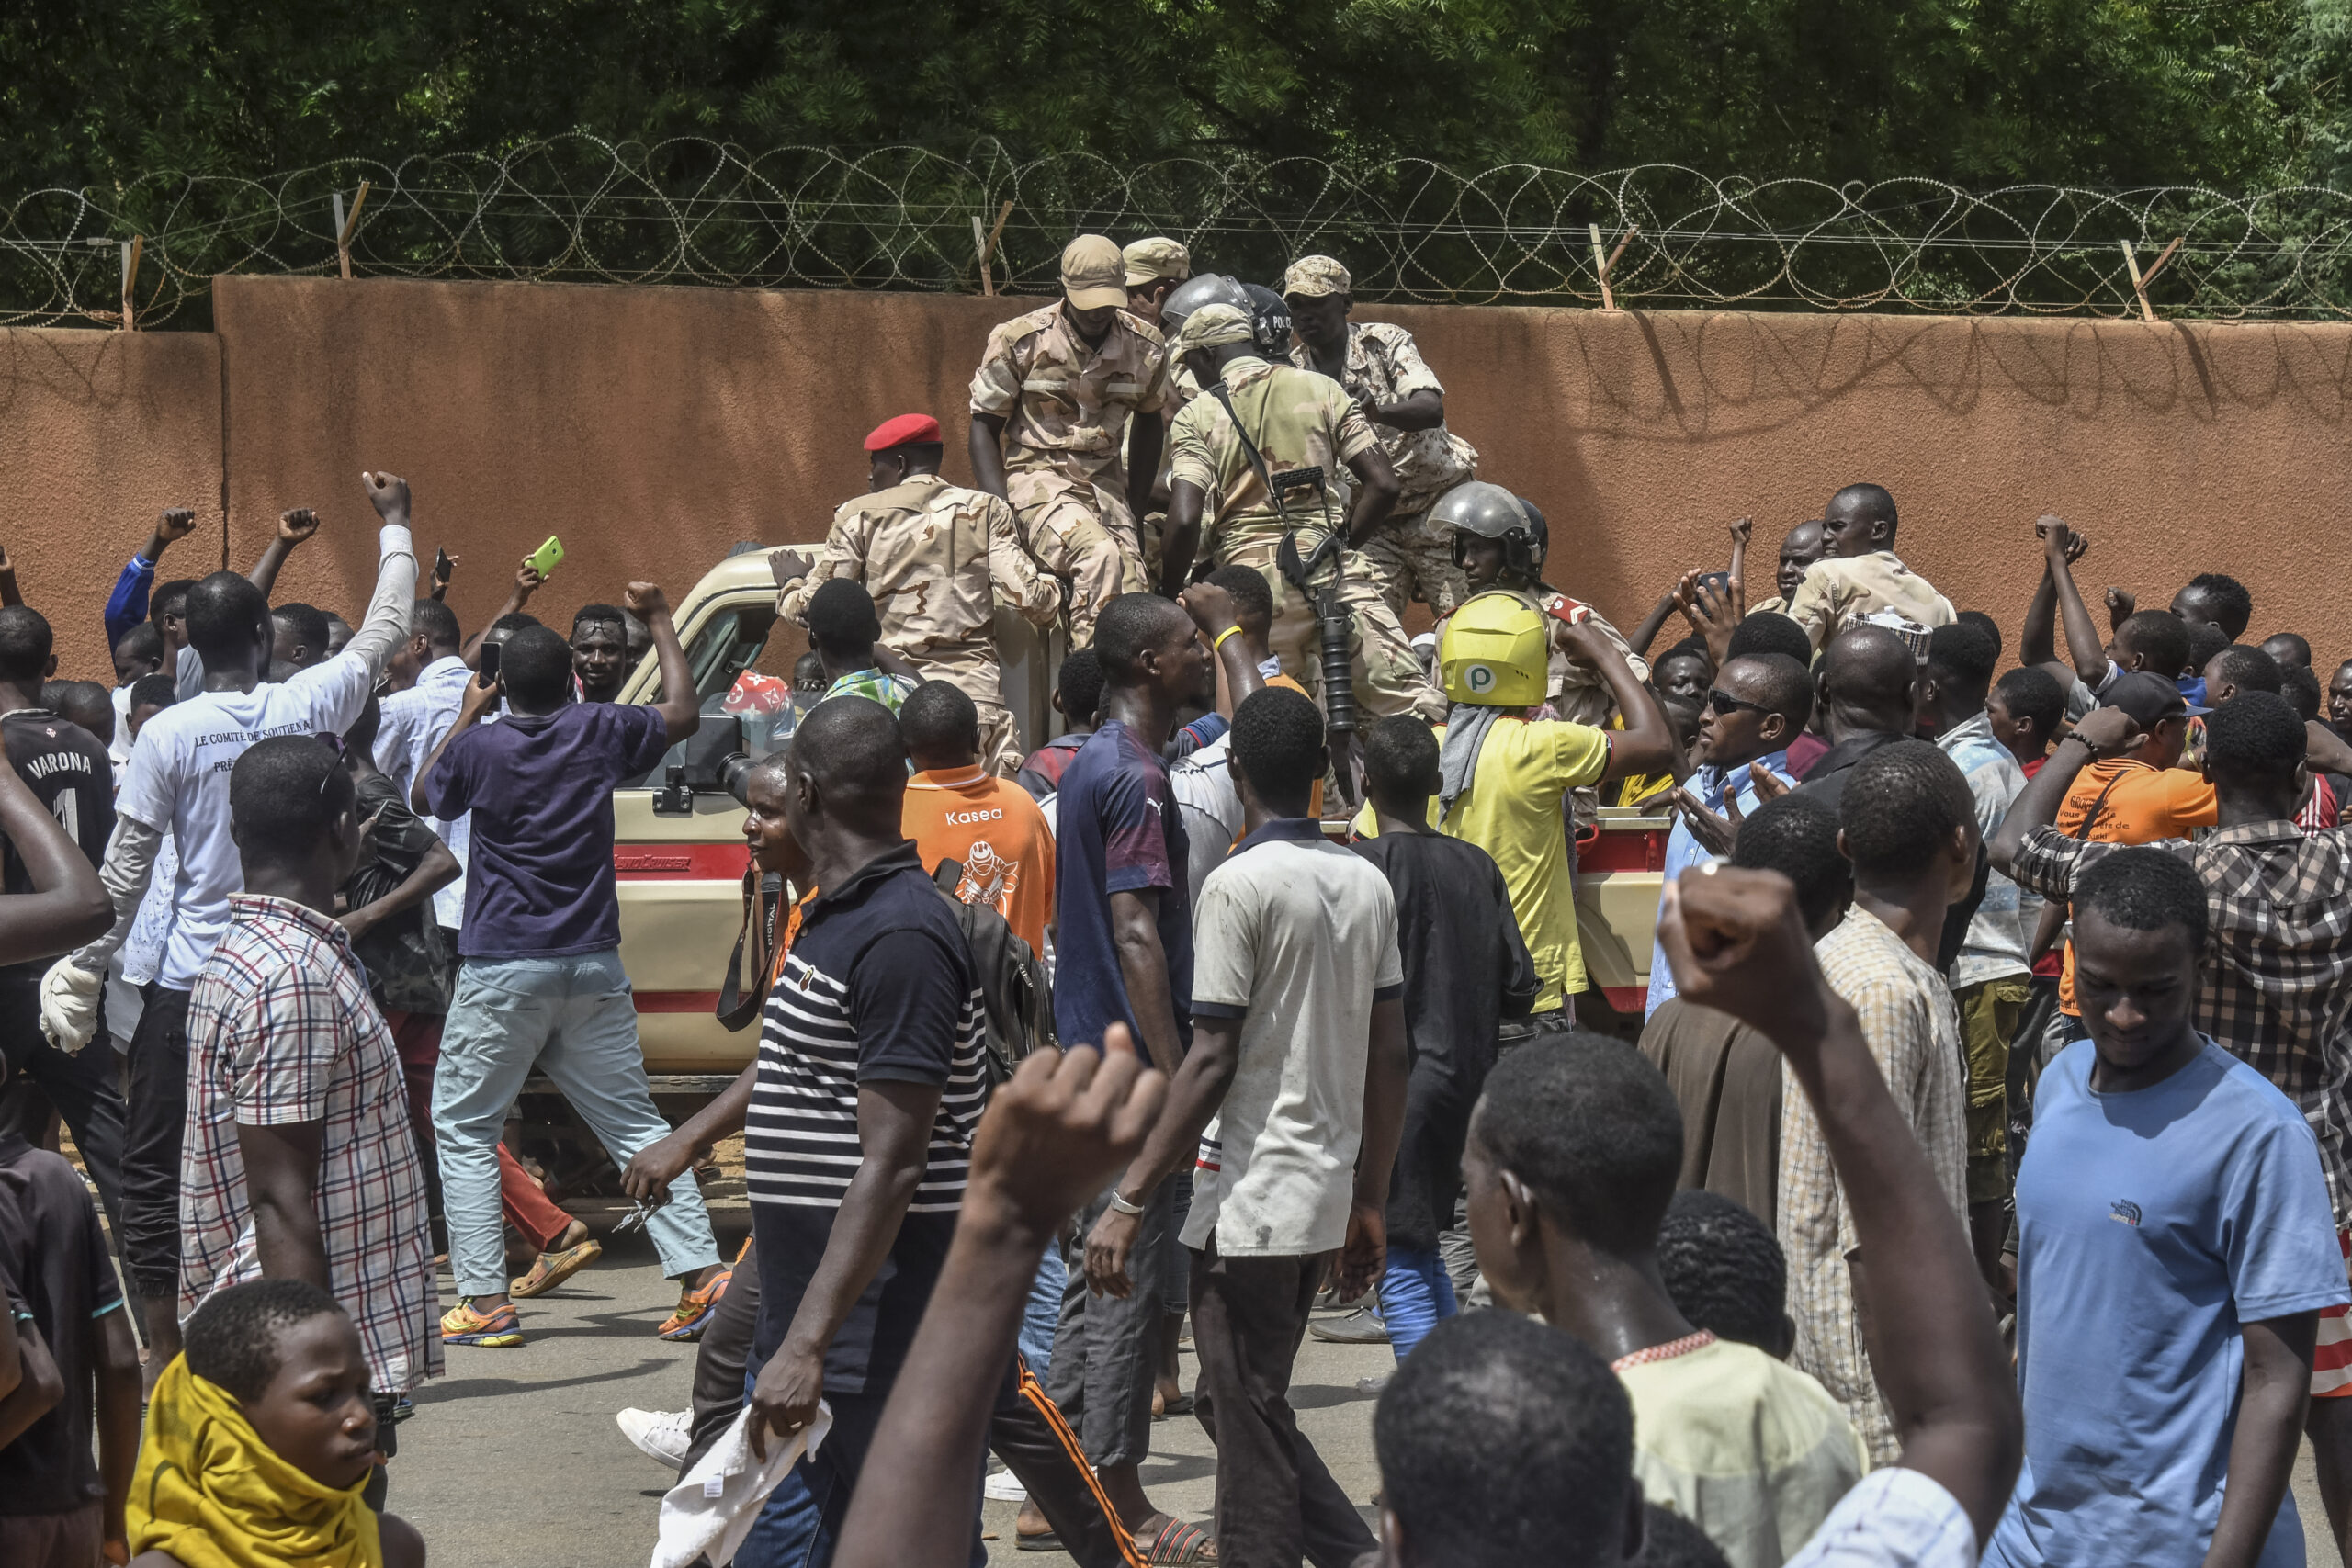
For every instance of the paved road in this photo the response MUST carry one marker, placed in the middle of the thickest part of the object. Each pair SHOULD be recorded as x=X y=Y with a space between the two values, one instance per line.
x=513 y=1458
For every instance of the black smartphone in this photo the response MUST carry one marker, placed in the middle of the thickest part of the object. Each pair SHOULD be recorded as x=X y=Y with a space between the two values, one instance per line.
x=490 y=660
x=1716 y=582
x=440 y=563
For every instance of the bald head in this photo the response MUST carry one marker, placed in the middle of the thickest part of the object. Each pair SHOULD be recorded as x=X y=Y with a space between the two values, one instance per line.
x=851 y=753
x=1867 y=678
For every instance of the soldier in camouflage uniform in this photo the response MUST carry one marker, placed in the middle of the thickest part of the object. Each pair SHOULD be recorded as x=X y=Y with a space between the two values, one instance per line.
x=1156 y=268
x=1051 y=402
x=1298 y=420
x=1384 y=373
x=937 y=559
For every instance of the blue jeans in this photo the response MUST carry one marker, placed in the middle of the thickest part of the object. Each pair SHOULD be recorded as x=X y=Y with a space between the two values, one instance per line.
x=1414 y=1295
x=800 y=1523
x=576 y=1020
x=1043 y=1313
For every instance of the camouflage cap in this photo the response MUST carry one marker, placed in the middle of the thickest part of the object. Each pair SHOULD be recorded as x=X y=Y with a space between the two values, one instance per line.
x=1092 y=274
x=1210 y=326
x=1311 y=277
x=1158 y=257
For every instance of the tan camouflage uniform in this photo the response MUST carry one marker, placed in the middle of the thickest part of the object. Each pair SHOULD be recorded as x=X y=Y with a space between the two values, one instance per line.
x=1299 y=419
x=1066 y=408
x=1410 y=559
x=938 y=559
x=1841 y=590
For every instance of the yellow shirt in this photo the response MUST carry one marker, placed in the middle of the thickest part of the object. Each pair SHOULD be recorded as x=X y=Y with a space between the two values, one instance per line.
x=1511 y=810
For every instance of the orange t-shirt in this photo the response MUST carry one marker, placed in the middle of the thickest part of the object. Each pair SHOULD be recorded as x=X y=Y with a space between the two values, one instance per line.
x=995 y=829
x=2141 y=804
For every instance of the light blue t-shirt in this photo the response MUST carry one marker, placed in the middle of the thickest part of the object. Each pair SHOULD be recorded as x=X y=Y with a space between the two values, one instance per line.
x=1710 y=785
x=2152 y=1226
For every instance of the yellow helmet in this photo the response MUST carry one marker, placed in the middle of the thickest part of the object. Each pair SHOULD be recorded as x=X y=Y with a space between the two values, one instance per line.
x=1494 y=653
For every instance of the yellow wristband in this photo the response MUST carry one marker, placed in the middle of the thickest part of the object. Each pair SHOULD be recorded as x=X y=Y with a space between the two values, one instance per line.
x=1221 y=637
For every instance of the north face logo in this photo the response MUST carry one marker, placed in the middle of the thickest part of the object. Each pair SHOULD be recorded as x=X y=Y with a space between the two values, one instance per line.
x=2125 y=1211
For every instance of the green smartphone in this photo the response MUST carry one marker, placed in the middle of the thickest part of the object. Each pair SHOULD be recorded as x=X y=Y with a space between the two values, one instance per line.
x=547 y=556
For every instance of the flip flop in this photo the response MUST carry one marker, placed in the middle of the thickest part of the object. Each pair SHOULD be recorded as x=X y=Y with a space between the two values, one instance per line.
x=1047 y=1542
x=1178 y=1544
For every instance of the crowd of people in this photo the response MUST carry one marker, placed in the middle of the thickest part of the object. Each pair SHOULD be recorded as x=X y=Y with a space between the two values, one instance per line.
x=1972 y=1182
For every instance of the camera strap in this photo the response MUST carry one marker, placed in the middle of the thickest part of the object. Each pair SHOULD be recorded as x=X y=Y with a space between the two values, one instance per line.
x=736 y=1009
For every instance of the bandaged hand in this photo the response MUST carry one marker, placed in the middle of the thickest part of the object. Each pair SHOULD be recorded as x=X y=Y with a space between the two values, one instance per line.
x=69 y=1005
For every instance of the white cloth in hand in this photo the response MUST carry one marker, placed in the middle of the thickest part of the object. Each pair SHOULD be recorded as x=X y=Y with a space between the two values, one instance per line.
x=69 y=1005
x=712 y=1508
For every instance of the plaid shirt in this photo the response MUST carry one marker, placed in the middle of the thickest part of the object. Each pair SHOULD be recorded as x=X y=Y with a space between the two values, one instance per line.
x=1913 y=1029
x=280 y=1030
x=2278 y=964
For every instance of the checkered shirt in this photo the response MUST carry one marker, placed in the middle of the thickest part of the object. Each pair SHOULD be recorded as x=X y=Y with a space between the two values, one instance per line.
x=1913 y=1029
x=2278 y=964
x=280 y=1030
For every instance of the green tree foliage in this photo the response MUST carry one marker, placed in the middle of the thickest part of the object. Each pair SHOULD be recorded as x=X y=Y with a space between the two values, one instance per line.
x=2111 y=92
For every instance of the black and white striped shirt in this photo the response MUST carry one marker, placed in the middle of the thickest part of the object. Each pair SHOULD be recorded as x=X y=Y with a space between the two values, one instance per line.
x=878 y=987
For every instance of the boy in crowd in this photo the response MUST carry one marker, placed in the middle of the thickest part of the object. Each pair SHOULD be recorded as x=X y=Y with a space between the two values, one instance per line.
x=262 y=1440
x=540 y=980
x=299 y=1159
x=1078 y=692
x=1466 y=970
x=1724 y=1272
x=1907 y=824
x=1300 y=1054
x=2166 y=1173
x=178 y=784
x=956 y=810
x=1572 y=1162
x=843 y=629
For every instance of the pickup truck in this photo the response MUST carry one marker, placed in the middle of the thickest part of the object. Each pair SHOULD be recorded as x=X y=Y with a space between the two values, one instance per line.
x=679 y=851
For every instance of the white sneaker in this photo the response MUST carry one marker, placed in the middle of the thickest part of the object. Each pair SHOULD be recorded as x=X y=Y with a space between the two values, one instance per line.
x=660 y=1435
x=1003 y=1486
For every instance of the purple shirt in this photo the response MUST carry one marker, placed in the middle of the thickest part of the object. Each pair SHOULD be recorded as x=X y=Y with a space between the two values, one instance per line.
x=1117 y=831
x=539 y=875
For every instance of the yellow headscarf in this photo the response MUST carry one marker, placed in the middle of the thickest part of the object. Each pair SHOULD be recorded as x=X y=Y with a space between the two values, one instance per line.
x=208 y=1490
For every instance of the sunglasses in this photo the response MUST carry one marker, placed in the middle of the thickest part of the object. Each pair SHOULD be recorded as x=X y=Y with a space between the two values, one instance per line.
x=1725 y=705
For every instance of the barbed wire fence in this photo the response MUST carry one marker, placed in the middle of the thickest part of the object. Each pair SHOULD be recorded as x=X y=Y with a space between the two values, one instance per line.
x=691 y=212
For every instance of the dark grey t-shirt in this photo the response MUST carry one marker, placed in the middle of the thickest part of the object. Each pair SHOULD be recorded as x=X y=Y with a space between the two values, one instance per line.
x=54 y=1259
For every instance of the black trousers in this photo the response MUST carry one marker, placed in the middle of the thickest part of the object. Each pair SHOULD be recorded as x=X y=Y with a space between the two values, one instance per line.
x=151 y=1156
x=1025 y=1429
x=1275 y=1502
x=81 y=1085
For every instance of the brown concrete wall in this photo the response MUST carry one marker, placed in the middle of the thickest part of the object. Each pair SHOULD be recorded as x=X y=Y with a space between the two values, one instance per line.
x=100 y=431
x=2177 y=449
x=652 y=428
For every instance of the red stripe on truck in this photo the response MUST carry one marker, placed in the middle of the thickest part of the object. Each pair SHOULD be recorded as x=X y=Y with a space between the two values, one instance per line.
x=677 y=1001
x=681 y=862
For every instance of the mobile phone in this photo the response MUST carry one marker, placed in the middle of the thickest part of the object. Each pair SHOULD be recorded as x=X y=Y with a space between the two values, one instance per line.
x=547 y=556
x=1716 y=582
x=488 y=658
x=441 y=563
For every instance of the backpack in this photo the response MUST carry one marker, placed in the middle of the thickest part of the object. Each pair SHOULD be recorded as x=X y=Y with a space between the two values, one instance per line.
x=1018 y=997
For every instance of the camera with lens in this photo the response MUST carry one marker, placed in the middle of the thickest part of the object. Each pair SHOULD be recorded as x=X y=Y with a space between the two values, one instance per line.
x=713 y=762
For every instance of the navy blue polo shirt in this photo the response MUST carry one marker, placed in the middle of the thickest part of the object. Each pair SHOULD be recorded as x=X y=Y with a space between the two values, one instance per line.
x=878 y=987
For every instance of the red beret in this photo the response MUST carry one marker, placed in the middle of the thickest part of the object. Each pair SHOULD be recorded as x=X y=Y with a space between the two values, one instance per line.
x=907 y=430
